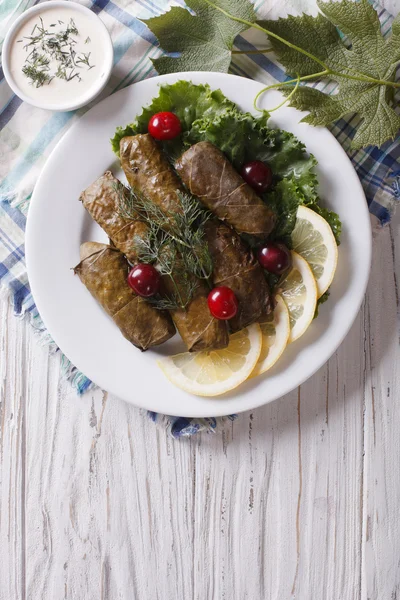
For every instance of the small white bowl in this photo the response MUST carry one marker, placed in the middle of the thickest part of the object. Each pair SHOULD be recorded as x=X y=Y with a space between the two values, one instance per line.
x=103 y=75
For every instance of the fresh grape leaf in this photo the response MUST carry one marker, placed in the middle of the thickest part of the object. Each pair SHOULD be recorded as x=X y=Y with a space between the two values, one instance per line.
x=204 y=39
x=379 y=121
x=370 y=55
x=317 y=35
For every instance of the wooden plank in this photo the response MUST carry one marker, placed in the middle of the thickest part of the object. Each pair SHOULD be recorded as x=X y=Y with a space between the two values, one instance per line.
x=13 y=455
x=381 y=523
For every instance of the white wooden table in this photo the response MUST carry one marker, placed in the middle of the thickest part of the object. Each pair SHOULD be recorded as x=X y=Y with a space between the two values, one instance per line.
x=298 y=499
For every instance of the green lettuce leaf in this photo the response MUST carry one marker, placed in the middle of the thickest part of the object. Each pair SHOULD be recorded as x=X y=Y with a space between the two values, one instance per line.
x=285 y=200
x=286 y=197
x=320 y=301
x=330 y=216
x=120 y=133
x=239 y=135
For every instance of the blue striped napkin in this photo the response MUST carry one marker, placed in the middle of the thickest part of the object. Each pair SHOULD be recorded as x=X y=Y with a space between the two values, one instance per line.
x=28 y=135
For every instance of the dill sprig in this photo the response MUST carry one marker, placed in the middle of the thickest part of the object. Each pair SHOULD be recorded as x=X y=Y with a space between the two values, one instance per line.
x=158 y=248
x=184 y=227
x=54 y=53
x=175 y=242
x=188 y=227
x=83 y=59
x=38 y=77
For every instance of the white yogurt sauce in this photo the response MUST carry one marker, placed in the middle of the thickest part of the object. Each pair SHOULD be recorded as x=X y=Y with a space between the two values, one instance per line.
x=89 y=39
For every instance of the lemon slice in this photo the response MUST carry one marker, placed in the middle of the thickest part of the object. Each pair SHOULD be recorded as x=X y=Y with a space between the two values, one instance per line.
x=214 y=372
x=275 y=330
x=299 y=291
x=313 y=239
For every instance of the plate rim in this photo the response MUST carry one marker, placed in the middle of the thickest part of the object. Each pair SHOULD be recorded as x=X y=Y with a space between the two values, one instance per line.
x=255 y=402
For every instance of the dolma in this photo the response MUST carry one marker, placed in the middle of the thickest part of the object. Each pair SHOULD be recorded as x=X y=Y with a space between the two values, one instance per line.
x=195 y=324
x=235 y=266
x=101 y=199
x=209 y=175
x=104 y=270
x=148 y=171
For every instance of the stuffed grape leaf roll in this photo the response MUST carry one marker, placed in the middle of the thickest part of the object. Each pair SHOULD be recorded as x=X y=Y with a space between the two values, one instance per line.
x=147 y=170
x=235 y=266
x=209 y=175
x=104 y=270
x=195 y=324
x=149 y=173
x=101 y=199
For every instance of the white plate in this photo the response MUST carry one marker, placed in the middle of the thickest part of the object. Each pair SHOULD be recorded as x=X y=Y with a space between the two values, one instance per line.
x=58 y=224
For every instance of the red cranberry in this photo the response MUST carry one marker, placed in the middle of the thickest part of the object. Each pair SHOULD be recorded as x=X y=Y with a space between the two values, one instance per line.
x=222 y=303
x=274 y=257
x=258 y=175
x=164 y=126
x=144 y=280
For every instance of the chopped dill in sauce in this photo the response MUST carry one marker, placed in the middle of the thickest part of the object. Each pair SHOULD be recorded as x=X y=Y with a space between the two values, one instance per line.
x=52 y=54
